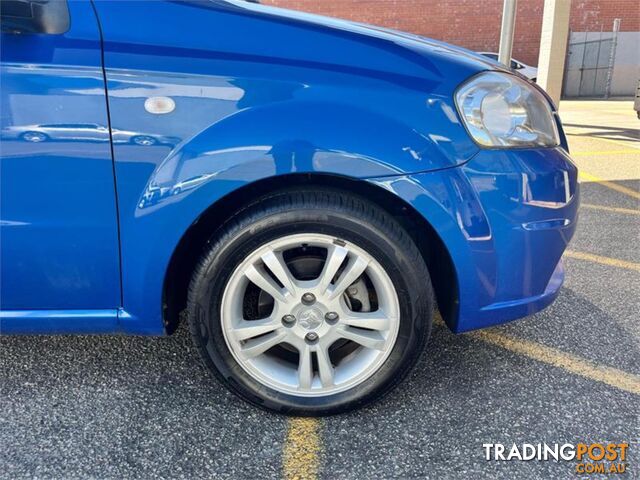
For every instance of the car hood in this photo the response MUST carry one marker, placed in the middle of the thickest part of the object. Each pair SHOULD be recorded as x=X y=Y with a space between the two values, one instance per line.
x=351 y=44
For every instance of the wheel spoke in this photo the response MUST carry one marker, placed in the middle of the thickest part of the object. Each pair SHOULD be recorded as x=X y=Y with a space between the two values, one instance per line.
x=258 y=346
x=377 y=320
x=276 y=264
x=249 y=329
x=335 y=256
x=264 y=281
x=366 y=338
x=356 y=267
x=325 y=369
x=305 y=369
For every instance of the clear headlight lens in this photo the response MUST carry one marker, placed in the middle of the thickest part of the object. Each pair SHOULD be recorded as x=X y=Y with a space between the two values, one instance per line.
x=501 y=110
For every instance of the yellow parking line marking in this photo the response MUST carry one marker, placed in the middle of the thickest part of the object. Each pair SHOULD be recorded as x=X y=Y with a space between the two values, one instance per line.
x=612 y=262
x=557 y=358
x=613 y=186
x=301 y=456
x=603 y=152
x=571 y=363
x=604 y=208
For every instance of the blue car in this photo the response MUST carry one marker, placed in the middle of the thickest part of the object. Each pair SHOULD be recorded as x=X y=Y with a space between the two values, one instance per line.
x=303 y=191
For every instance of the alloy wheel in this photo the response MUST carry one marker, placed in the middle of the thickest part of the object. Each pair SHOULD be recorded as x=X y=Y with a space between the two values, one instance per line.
x=310 y=315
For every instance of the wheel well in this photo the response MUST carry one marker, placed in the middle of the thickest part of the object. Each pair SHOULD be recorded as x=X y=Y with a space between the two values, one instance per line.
x=196 y=238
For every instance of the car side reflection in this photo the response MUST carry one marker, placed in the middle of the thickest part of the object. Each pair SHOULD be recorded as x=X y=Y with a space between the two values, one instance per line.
x=83 y=132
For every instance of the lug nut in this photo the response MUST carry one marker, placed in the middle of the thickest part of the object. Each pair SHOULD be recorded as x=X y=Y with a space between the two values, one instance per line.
x=308 y=298
x=353 y=291
x=288 y=320
x=311 y=337
x=331 y=317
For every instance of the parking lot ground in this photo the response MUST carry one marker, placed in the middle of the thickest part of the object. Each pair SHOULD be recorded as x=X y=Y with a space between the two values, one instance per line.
x=105 y=407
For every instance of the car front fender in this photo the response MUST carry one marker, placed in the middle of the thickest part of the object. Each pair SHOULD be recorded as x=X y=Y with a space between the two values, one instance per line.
x=298 y=137
x=221 y=137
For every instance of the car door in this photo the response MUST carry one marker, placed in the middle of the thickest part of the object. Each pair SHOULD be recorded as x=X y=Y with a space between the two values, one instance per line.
x=59 y=252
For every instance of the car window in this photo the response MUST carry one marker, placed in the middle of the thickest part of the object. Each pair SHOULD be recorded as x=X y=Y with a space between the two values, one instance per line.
x=69 y=125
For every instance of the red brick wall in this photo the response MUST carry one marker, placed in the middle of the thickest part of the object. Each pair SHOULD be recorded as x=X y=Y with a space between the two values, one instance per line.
x=472 y=24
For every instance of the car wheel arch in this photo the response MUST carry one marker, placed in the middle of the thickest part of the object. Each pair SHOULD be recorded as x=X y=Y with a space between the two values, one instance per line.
x=194 y=240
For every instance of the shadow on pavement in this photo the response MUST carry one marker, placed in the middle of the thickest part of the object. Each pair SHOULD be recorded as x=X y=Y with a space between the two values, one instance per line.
x=606 y=132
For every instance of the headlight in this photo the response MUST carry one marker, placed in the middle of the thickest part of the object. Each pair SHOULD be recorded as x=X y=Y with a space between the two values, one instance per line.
x=500 y=110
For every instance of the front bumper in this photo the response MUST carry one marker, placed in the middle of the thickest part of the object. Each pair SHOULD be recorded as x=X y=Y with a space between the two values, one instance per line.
x=505 y=218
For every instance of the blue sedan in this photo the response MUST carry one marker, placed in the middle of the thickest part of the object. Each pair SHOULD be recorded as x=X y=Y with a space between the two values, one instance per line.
x=302 y=191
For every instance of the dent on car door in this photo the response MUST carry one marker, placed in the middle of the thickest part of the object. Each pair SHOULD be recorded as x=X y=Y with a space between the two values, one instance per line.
x=58 y=218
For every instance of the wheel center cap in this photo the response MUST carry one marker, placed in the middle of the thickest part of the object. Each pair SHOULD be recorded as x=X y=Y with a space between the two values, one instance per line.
x=310 y=318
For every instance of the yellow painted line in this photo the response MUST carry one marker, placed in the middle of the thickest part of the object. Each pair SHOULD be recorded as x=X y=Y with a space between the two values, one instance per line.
x=557 y=358
x=627 y=211
x=589 y=153
x=613 y=186
x=611 y=262
x=302 y=448
x=566 y=361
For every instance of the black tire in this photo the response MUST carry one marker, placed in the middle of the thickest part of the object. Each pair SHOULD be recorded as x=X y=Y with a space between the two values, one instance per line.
x=320 y=211
x=144 y=140
x=42 y=136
